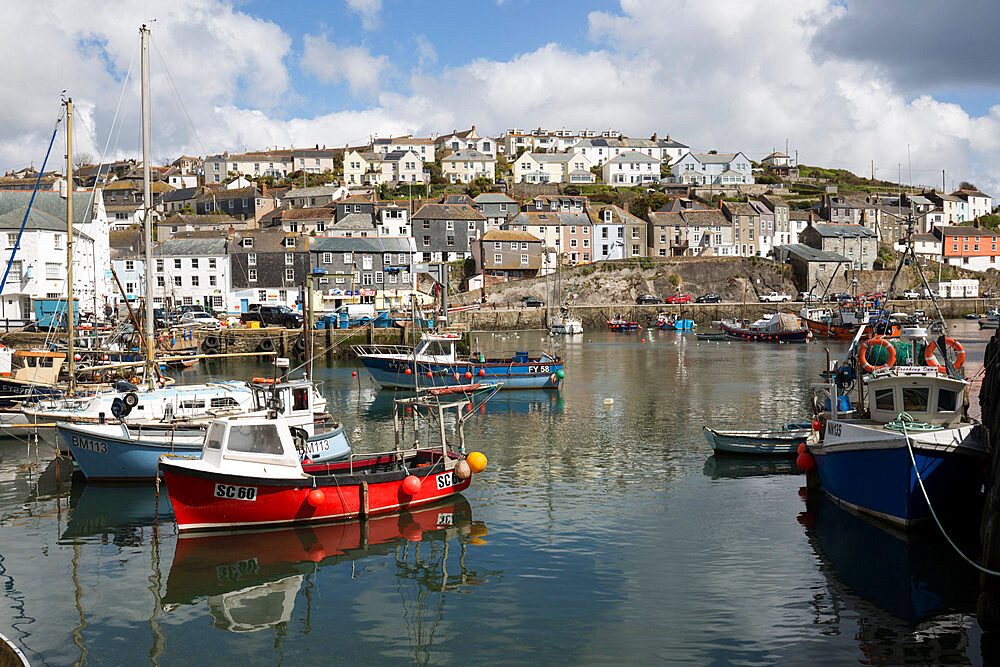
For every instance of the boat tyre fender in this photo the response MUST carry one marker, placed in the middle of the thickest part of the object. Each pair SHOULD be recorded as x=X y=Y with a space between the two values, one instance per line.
x=300 y=345
x=931 y=360
x=265 y=345
x=876 y=341
x=210 y=344
x=130 y=400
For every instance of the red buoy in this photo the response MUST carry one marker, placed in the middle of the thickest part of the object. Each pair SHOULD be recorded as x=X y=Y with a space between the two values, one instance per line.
x=429 y=374
x=409 y=372
x=411 y=485
x=805 y=462
x=306 y=461
x=316 y=497
x=482 y=372
x=354 y=373
x=817 y=425
x=643 y=340
x=468 y=375
x=802 y=447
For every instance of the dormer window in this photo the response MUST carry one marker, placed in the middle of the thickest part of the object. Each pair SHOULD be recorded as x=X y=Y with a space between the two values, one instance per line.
x=289 y=241
x=248 y=242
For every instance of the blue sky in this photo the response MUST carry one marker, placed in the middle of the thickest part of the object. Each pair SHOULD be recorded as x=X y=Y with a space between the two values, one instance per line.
x=845 y=83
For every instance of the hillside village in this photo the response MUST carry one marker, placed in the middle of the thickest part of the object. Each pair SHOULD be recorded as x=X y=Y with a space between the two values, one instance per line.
x=236 y=229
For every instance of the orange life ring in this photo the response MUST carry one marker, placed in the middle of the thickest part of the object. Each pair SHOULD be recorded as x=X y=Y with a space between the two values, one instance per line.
x=876 y=341
x=134 y=380
x=263 y=380
x=930 y=360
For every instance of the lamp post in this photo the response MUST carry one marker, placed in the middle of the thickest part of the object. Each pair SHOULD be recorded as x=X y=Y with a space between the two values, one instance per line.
x=308 y=319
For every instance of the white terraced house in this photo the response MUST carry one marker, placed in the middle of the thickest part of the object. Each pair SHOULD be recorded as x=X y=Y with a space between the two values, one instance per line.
x=466 y=166
x=631 y=168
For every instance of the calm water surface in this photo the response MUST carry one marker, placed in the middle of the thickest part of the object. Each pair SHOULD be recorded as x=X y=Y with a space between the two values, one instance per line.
x=597 y=534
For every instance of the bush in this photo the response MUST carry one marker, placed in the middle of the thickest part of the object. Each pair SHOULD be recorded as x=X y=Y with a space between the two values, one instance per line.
x=674 y=279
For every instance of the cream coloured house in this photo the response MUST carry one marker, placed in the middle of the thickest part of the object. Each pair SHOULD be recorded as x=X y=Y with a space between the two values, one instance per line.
x=552 y=168
x=465 y=166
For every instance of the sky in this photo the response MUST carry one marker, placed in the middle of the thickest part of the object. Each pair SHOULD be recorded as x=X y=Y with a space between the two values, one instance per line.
x=909 y=85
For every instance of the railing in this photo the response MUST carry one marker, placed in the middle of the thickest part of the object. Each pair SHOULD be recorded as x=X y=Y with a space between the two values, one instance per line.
x=382 y=349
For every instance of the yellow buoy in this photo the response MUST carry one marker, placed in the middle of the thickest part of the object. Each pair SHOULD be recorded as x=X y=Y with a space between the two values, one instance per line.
x=476 y=461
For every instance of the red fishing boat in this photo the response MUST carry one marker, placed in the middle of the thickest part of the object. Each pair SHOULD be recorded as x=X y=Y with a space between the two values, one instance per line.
x=249 y=474
x=842 y=323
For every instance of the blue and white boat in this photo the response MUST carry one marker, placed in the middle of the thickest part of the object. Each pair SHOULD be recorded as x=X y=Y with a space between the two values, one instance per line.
x=674 y=323
x=119 y=452
x=768 y=442
x=436 y=363
x=913 y=413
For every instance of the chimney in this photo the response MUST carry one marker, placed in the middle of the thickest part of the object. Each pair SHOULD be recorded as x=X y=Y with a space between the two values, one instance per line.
x=473 y=128
x=810 y=218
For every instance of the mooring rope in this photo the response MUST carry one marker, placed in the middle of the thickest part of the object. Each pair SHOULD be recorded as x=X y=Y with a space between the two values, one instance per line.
x=923 y=489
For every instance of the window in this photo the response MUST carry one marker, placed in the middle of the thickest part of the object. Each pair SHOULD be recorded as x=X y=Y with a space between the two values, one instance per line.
x=289 y=241
x=289 y=258
x=572 y=243
x=378 y=277
x=256 y=439
x=177 y=264
x=427 y=240
x=513 y=245
x=451 y=241
x=401 y=258
x=248 y=242
x=289 y=274
x=427 y=224
x=947 y=400
x=586 y=243
x=524 y=260
x=387 y=259
x=915 y=399
x=194 y=281
x=212 y=281
x=498 y=245
x=366 y=262
x=393 y=278
x=321 y=226
x=11 y=240
x=450 y=225
x=252 y=275
x=252 y=259
x=366 y=279
x=159 y=266
x=498 y=258
x=129 y=264
x=177 y=281
x=211 y=262
x=262 y=295
x=160 y=282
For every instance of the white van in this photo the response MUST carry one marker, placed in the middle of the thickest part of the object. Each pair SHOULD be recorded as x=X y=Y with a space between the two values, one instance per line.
x=357 y=311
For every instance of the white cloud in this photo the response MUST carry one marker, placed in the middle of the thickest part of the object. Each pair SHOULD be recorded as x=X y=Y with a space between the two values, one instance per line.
x=353 y=65
x=727 y=75
x=426 y=53
x=368 y=10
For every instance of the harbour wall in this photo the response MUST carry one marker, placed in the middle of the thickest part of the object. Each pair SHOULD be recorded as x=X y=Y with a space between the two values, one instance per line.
x=596 y=317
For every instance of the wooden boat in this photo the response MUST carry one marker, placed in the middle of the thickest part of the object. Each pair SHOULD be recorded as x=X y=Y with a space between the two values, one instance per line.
x=250 y=474
x=10 y=654
x=843 y=323
x=778 y=328
x=867 y=464
x=436 y=363
x=118 y=452
x=769 y=442
x=622 y=325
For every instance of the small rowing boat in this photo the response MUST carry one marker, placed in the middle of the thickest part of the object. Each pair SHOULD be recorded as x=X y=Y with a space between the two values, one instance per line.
x=784 y=441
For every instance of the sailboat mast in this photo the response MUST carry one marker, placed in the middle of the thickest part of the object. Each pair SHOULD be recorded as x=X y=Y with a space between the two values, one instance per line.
x=69 y=247
x=147 y=223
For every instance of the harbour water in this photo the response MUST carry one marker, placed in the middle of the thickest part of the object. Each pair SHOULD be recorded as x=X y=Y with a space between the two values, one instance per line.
x=598 y=533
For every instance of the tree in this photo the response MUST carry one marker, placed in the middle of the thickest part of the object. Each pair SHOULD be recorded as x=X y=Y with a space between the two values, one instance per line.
x=642 y=204
x=82 y=160
x=479 y=186
x=967 y=186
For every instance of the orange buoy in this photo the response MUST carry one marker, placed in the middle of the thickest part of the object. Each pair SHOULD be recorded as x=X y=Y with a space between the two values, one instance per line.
x=876 y=341
x=931 y=360
x=477 y=462
x=411 y=485
x=802 y=447
x=316 y=497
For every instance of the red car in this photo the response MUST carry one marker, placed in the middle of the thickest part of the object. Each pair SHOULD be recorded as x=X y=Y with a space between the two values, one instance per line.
x=678 y=298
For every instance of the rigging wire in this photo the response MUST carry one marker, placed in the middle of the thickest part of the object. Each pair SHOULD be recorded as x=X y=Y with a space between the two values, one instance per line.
x=177 y=96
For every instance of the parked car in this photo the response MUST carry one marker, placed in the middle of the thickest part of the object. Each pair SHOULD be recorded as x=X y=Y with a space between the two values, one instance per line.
x=532 y=302
x=281 y=316
x=648 y=298
x=774 y=297
x=841 y=296
x=809 y=297
x=678 y=298
x=711 y=297
x=200 y=319
x=910 y=294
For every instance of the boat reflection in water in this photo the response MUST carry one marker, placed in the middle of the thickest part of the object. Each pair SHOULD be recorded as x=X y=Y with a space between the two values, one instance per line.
x=507 y=402
x=736 y=465
x=912 y=596
x=126 y=511
x=250 y=579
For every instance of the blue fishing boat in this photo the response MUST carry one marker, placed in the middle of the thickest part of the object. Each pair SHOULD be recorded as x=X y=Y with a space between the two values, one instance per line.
x=674 y=323
x=912 y=437
x=436 y=363
x=118 y=452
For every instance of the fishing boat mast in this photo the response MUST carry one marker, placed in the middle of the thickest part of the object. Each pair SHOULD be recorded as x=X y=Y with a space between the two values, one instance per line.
x=69 y=247
x=147 y=225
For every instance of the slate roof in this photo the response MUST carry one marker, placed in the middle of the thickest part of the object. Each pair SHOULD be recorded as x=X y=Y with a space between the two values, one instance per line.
x=181 y=194
x=715 y=158
x=840 y=230
x=205 y=247
x=494 y=198
x=632 y=156
x=269 y=240
x=447 y=212
x=315 y=191
x=37 y=220
x=457 y=199
x=963 y=230
x=316 y=213
x=677 y=205
x=469 y=155
x=362 y=221
x=49 y=202
x=199 y=220
x=356 y=244
x=810 y=254
x=549 y=218
x=250 y=192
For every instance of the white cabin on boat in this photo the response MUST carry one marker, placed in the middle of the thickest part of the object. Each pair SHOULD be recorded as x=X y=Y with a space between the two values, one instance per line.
x=255 y=446
x=921 y=391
